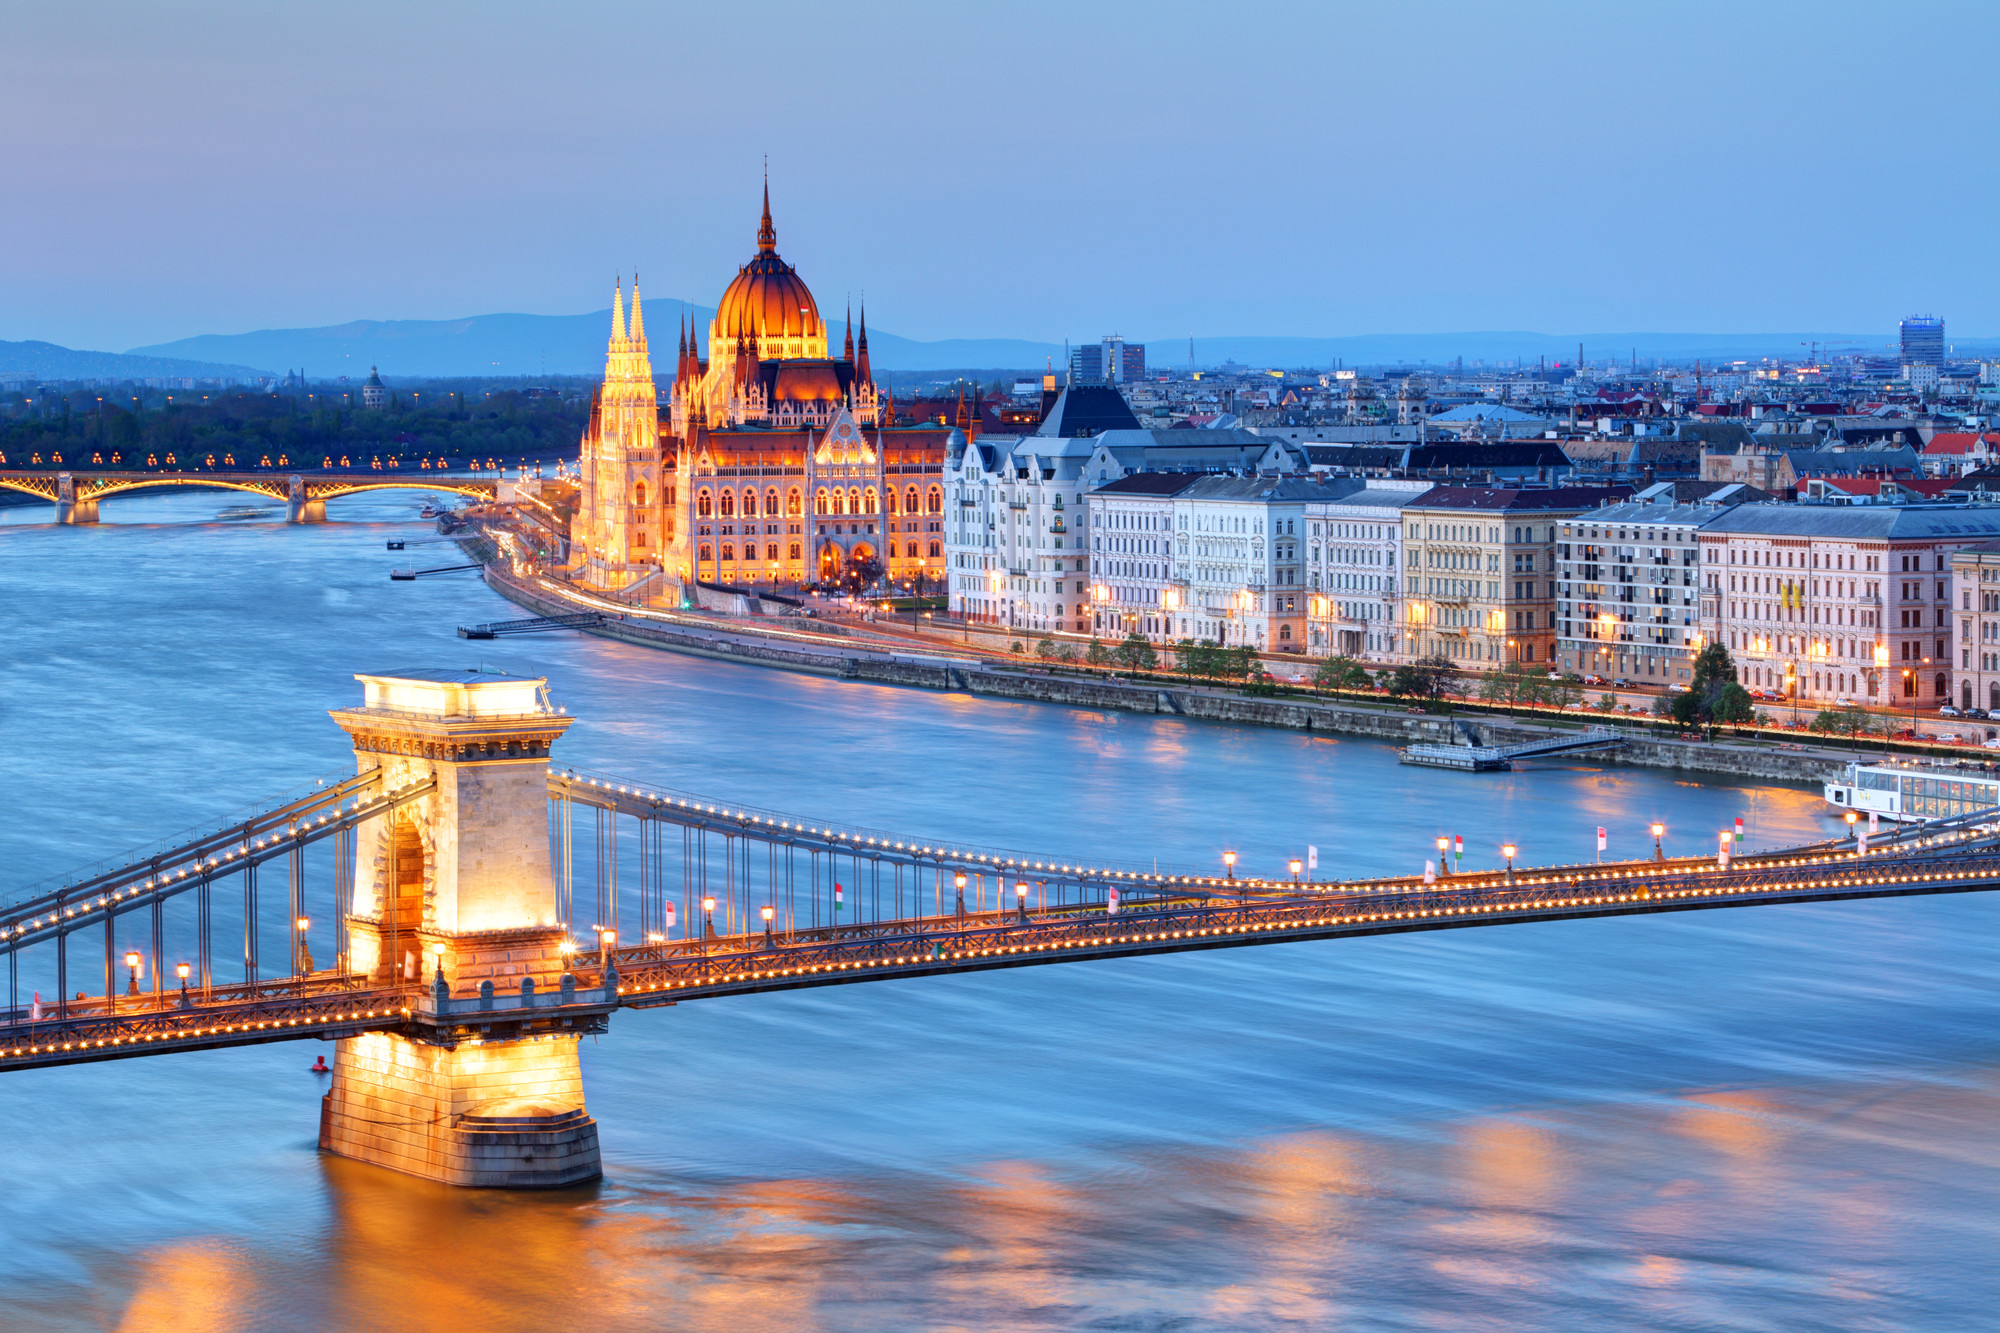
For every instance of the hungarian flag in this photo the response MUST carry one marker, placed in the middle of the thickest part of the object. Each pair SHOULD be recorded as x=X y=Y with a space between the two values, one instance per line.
x=1739 y=828
x=35 y=1013
x=670 y=916
x=1458 y=847
x=1111 y=903
x=1600 y=837
x=839 y=896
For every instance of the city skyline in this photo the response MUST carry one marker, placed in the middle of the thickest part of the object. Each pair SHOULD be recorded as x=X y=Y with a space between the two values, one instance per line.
x=1124 y=170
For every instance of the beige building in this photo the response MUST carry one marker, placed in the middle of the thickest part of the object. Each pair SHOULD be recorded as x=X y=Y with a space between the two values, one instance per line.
x=1820 y=603
x=1975 y=593
x=1479 y=571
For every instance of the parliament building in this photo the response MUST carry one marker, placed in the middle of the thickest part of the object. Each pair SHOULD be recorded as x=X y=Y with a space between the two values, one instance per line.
x=770 y=463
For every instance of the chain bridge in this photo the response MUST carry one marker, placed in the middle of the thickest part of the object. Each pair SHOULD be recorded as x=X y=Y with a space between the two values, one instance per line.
x=480 y=912
x=76 y=494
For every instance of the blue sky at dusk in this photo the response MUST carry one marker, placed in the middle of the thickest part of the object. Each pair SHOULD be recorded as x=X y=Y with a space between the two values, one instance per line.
x=1020 y=170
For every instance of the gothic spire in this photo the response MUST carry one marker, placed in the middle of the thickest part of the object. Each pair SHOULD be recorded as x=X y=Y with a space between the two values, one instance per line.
x=850 y=334
x=767 y=235
x=618 y=312
x=638 y=319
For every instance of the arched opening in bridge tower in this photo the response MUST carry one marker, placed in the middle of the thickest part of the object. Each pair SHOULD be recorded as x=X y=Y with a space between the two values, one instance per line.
x=403 y=910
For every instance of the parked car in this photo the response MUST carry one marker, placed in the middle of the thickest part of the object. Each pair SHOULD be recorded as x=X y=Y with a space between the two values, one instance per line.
x=1677 y=689
x=1593 y=680
x=1620 y=683
x=1977 y=712
x=1948 y=711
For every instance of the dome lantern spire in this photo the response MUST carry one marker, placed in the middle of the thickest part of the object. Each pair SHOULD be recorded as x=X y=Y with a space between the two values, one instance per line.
x=767 y=235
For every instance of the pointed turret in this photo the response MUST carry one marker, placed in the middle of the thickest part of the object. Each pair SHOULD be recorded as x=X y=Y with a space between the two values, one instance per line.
x=848 y=353
x=862 y=374
x=618 y=312
x=638 y=317
x=964 y=422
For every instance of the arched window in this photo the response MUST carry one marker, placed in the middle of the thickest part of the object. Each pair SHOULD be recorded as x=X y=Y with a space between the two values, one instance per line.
x=1944 y=687
x=1284 y=631
x=728 y=548
x=937 y=500
x=792 y=502
x=819 y=502
x=936 y=550
x=911 y=550
x=707 y=554
x=889 y=500
x=793 y=552
x=910 y=500
x=771 y=504
x=639 y=495
x=704 y=504
x=851 y=502
x=729 y=504
x=771 y=552
x=670 y=495
x=868 y=501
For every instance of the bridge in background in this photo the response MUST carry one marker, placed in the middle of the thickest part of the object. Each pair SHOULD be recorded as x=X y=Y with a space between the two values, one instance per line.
x=486 y=912
x=76 y=493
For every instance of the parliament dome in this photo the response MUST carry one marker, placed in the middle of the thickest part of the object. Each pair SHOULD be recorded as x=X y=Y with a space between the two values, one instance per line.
x=768 y=301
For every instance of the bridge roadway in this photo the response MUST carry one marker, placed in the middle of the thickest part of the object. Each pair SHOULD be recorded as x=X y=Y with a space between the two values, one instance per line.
x=1183 y=915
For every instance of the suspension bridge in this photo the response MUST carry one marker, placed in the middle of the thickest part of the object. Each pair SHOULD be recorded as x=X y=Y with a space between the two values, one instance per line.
x=478 y=912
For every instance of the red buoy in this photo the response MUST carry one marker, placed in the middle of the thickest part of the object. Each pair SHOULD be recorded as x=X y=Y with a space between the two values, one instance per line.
x=319 y=1065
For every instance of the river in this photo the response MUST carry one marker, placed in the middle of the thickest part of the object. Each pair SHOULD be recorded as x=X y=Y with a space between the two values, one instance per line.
x=1772 y=1118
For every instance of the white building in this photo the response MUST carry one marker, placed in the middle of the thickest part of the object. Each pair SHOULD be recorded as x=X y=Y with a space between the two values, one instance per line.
x=1352 y=557
x=1239 y=559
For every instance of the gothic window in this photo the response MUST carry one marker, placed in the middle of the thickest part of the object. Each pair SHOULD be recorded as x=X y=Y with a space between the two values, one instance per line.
x=911 y=550
x=771 y=552
x=937 y=500
x=639 y=496
x=729 y=504
x=935 y=551
x=640 y=538
x=868 y=501
x=706 y=555
x=852 y=504
x=728 y=548
x=670 y=495
x=910 y=500
x=703 y=506
x=793 y=551
x=792 y=502
x=889 y=500
x=771 y=504
x=819 y=502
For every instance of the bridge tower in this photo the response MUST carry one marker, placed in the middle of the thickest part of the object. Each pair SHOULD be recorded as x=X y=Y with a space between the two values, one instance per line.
x=301 y=507
x=454 y=898
x=69 y=509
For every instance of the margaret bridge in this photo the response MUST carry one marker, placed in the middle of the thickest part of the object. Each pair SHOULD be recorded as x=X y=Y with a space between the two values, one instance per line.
x=76 y=494
x=481 y=911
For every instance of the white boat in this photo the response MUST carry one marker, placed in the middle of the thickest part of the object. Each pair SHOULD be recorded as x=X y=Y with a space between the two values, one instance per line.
x=235 y=512
x=1912 y=793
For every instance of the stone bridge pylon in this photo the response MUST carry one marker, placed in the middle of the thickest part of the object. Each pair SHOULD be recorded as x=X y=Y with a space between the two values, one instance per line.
x=454 y=894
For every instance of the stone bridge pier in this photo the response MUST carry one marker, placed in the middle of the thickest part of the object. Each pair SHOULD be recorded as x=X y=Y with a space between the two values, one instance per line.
x=454 y=897
x=299 y=508
x=69 y=509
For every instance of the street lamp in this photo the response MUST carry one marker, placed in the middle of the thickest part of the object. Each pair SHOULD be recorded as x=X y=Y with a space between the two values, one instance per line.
x=1297 y=866
x=767 y=913
x=708 y=917
x=1021 y=901
x=1659 y=831
x=1507 y=850
x=181 y=971
x=958 y=882
x=1444 y=861
x=606 y=937
x=1229 y=864
x=132 y=961
x=1850 y=817
x=303 y=960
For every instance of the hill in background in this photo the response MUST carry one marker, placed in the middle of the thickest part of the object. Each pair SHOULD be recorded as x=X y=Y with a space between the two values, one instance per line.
x=23 y=361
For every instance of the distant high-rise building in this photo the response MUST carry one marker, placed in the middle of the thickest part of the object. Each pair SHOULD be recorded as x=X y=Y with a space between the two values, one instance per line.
x=1109 y=361
x=1923 y=341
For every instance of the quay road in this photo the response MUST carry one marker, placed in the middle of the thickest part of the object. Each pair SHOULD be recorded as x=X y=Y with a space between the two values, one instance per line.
x=1158 y=914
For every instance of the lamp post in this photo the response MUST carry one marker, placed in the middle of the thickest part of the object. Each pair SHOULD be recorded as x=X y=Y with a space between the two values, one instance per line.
x=1444 y=860
x=958 y=882
x=181 y=971
x=1297 y=866
x=768 y=914
x=708 y=918
x=606 y=937
x=302 y=960
x=1021 y=901
x=1659 y=831
x=132 y=960
x=1229 y=865
x=1507 y=850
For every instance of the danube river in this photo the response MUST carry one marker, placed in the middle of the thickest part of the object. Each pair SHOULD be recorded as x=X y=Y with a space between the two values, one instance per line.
x=1777 y=1118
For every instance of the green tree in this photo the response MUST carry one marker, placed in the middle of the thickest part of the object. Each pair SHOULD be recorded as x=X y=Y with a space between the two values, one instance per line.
x=1850 y=722
x=1340 y=673
x=1097 y=655
x=1136 y=654
x=1425 y=678
x=1607 y=703
x=1045 y=649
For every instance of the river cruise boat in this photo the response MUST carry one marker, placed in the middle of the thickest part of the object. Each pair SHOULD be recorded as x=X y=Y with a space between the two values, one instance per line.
x=1912 y=793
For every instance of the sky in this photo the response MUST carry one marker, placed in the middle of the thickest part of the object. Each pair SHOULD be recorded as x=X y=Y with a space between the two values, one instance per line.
x=1031 y=170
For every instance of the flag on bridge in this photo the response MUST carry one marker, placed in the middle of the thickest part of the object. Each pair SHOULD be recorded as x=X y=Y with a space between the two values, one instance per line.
x=35 y=1010
x=670 y=916
x=1312 y=857
x=1111 y=902
x=1739 y=828
x=1458 y=849
x=1600 y=837
x=839 y=896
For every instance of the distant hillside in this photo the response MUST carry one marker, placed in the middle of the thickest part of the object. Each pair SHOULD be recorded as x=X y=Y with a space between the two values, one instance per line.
x=539 y=344
x=46 y=361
